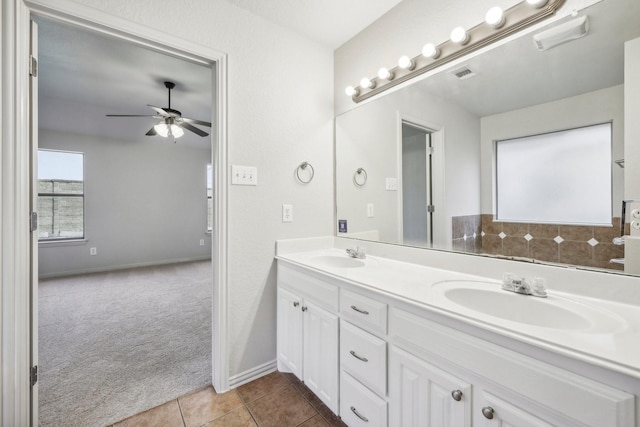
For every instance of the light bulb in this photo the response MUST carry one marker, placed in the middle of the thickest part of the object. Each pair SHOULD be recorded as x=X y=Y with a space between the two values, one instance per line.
x=366 y=83
x=176 y=131
x=385 y=74
x=406 y=63
x=537 y=3
x=351 y=91
x=495 y=17
x=430 y=51
x=162 y=129
x=459 y=35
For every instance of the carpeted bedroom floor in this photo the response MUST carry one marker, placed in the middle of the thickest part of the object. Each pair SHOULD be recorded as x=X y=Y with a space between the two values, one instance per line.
x=115 y=344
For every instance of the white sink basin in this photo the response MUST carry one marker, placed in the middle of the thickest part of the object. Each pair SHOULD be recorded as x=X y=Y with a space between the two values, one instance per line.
x=335 y=261
x=554 y=312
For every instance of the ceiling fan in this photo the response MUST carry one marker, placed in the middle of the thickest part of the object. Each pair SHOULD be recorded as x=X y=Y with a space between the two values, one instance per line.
x=171 y=121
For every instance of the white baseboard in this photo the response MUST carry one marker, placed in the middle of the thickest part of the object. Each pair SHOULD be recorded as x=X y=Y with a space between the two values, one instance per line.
x=120 y=267
x=251 y=374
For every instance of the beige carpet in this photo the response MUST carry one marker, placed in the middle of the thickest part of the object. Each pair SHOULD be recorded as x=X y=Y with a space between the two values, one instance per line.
x=114 y=344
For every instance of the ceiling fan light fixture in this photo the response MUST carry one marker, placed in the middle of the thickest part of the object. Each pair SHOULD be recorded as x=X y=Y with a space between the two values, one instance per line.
x=166 y=130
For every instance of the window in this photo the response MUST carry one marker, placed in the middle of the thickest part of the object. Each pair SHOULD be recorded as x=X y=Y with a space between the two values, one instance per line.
x=209 y=197
x=560 y=177
x=60 y=195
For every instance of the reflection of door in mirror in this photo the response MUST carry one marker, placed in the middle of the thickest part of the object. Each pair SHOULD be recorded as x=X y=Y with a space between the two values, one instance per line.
x=417 y=205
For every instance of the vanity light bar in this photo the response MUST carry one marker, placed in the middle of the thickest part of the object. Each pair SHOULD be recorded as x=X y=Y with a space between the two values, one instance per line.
x=514 y=19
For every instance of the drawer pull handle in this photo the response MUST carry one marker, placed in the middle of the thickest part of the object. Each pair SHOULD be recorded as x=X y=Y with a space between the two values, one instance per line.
x=487 y=411
x=353 y=353
x=296 y=303
x=303 y=308
x=353 y=307
x=457 y=395
x=362 y=417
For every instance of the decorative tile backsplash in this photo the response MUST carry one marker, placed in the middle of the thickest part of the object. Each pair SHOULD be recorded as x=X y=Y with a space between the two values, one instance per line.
x=568 y=244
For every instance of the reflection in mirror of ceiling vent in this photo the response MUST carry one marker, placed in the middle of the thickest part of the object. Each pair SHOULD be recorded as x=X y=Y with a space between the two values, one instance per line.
x=463 y=73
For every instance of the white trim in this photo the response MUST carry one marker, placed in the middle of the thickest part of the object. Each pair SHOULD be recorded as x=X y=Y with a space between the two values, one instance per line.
x=123 y=267
x=252 y=374
x=15 y=183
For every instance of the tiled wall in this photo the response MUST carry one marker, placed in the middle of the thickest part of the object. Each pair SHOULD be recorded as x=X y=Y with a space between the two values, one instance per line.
x=568 y=244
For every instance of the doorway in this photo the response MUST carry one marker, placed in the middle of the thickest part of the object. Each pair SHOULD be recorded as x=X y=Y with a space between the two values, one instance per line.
x=417 y=185
x=177 y=48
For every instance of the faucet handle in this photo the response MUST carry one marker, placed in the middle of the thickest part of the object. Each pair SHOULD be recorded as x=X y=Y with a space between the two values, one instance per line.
x=538 y=284
x=507 y=281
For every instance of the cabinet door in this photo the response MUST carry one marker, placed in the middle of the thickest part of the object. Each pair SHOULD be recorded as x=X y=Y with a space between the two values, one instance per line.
x=321 y=353
x=422 y=395
x=495 y=412
x=290 y=331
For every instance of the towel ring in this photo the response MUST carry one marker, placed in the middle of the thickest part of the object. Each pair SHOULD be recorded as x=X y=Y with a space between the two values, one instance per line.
x=303 y=166
x=360 y=177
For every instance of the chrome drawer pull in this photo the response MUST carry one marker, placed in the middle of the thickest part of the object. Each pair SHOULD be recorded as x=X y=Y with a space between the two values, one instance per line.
x=362 y=417
x=353 y=353
x=457 y=395
x=353 y=307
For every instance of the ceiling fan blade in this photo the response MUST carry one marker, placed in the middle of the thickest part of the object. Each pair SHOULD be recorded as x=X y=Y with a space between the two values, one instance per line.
x=196 y=122
x=193 y=129
x=152 y=132
x=129 y=115
x=159 y=110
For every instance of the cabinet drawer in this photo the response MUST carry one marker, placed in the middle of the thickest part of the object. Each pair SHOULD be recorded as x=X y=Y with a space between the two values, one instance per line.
x=320 y=292
x=364 y=311
x=364 y=356
x=359 y=406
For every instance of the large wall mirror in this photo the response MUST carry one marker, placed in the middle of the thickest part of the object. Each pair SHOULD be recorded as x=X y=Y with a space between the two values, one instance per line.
x=426 y=165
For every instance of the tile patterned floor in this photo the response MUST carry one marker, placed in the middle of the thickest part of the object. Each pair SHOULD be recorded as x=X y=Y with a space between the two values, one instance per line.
x=275 y=400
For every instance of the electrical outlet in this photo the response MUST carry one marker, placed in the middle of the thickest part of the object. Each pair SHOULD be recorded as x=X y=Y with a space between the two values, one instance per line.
x=93 y=251
x=369 y=210
x=244 y=175
x=287 y=213
x=201 y=242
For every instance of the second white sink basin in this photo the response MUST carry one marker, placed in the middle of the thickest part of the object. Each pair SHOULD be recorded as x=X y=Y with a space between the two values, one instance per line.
x=553 y=312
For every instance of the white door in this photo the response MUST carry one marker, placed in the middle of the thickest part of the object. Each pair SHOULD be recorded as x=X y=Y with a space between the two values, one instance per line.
x=289 y=332
x=321 y=354
x=33 y=168
x=422 y=395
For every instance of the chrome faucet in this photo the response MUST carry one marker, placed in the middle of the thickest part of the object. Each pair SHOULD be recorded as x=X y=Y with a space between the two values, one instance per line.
x=358 y=252
x=534 y=287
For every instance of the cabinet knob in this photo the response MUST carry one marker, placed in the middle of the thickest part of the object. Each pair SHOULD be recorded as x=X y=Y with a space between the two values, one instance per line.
x=296 y=303
x=457 y=395
x=304 y=308
x=487 y=411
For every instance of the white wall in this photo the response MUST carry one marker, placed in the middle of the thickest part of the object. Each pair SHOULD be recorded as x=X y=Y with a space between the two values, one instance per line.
x=145 y=203
x=587 y=109
x=280 y=113
x=368 y=137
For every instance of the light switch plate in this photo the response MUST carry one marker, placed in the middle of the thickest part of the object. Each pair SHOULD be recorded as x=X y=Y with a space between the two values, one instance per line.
x=287 y=213
x=244 y=175
x=369 y=210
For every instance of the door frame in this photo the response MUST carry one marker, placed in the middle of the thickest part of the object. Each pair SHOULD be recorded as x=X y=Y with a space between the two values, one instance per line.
x=437 y=176
x=15 y=155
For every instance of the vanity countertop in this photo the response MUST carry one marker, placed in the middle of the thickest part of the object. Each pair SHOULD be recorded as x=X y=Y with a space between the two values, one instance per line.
x=613 y=344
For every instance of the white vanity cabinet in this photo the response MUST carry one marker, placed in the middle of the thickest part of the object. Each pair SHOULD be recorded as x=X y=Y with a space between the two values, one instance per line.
x=504 y=388
x=423 y=395
x=363 y=360
x=307 y=342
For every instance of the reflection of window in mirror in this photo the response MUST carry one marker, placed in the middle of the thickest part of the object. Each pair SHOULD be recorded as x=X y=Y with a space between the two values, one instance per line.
x=60 y=195
x=209 y=197
x=560 y=177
